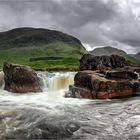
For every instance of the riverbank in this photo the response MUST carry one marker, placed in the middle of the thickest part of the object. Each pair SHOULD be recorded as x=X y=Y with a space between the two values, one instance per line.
x=49 y=115
x=65 y=64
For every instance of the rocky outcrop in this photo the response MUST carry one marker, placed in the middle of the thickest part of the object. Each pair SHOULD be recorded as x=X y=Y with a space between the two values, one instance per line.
x=92 y=85
x=91 y=62
x=133 y=68
x=20 y=79
x=104 y=77
x=121 y=75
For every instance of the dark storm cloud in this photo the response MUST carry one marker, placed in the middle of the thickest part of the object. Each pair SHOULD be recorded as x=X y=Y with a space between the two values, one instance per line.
x=78 y=13
x=94 y=22
x=132 y=42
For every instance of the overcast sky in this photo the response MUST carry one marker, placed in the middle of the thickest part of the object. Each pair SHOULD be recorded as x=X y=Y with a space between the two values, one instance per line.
x=96 y=23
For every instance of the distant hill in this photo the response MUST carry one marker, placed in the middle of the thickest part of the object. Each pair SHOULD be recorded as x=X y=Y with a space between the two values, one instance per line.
x=21 y=45
x=107 y=51
x=110 y=50
x=137 y=55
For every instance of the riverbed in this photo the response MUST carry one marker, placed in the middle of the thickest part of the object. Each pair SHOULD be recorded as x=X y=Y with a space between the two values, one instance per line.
x=48 y=115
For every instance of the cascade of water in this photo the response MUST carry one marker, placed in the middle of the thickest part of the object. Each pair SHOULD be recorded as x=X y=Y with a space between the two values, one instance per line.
x=138 y=89
x=61 y=81
x=39 y=115
x=1 y=80
x=139 y=81
x=56 y=81
x=50 y=81
x=44 y=80
x=138 y=74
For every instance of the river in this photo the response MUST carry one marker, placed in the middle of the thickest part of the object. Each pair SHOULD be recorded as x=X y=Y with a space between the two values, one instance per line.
x=48 y=115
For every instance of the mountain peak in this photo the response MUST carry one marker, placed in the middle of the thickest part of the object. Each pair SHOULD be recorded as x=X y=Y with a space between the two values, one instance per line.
x=33 y=36
x=107 y=50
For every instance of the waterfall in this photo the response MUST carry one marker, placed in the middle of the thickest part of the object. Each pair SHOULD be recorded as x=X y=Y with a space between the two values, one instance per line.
x=56 y=81
x=1 y=80
x=138 y=74
x=44 y=80
x=138 y=89
x=139 y=82
x=50 y=81
x=48 y=115
x=61 y=81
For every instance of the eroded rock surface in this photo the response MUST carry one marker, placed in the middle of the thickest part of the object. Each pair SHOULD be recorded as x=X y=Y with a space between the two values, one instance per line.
x=104 y=77
x=92 y=85
x=91 y=62
x=20 y=79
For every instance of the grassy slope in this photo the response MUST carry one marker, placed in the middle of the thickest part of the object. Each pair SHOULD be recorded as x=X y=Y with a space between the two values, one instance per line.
x=131 y=59
x=70 y=53
x=21 y=44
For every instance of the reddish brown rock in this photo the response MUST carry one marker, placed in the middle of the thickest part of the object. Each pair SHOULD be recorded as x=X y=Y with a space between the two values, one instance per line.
x=92 y=85
x=99 y=81
x=20 y=79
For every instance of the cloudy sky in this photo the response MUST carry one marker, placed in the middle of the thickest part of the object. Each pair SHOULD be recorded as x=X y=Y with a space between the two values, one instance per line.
x=96 y=23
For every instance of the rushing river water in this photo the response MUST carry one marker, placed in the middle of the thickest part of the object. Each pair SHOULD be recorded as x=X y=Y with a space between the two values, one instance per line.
x=48 y=115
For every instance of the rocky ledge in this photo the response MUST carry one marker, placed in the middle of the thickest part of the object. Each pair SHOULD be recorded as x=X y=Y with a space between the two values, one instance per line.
x=20 y=79
x=91 y=62
x=101 y=81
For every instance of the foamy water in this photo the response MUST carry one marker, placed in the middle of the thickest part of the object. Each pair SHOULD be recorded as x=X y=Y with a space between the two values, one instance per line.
x=48 y=115
x=54 y=86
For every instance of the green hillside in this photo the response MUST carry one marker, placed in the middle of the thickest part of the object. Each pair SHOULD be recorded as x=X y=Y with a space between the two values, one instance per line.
x=137 y=55
x=107 y=51
x=110 y=50
x=24 y=44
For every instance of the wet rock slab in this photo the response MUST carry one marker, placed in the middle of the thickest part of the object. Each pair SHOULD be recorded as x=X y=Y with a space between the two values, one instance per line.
x=93 y=85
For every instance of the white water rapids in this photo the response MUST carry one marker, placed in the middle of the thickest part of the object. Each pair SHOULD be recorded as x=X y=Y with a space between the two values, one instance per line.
x=48 y=115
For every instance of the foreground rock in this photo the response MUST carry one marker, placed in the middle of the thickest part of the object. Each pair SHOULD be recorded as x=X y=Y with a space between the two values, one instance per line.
x=104 y=77
x=91 y=62
x=20 y=79
x=92 y=85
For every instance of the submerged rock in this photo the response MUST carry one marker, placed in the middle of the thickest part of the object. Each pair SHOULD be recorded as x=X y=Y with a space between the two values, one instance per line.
x=20 y=79
x=92 y=85
x=33 y=123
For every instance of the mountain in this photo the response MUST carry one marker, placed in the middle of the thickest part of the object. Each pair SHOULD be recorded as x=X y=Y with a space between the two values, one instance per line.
x=110 y=50
x=107 y=51
x=46 y=48
x=137 y=55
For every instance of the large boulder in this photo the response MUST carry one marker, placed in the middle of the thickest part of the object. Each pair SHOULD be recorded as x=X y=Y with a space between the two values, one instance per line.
x=92 y=85
x=91 y=62
x=20 y=79
x=104 y=77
